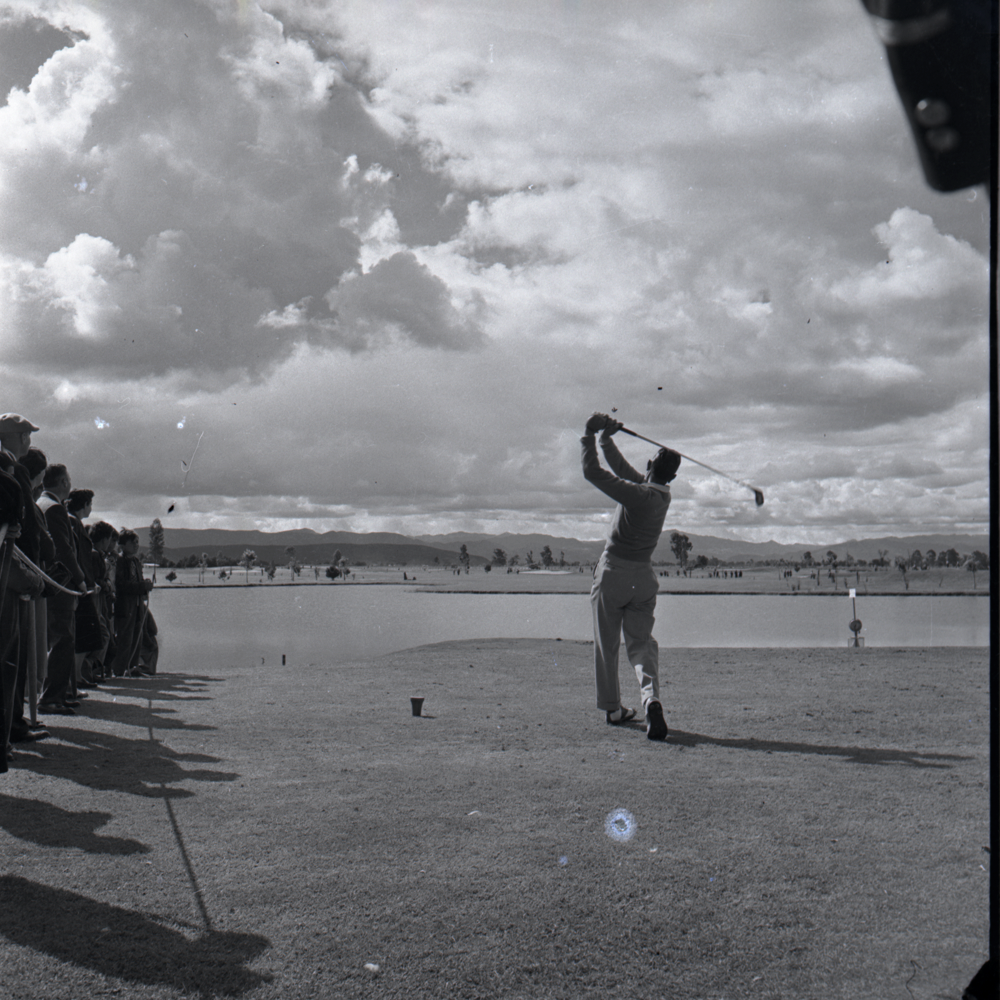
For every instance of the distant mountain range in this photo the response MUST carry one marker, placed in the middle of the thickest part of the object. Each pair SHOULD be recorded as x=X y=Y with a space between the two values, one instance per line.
x=386 y=548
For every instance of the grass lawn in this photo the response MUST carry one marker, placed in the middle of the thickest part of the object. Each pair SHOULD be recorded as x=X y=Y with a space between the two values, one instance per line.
x=813 y=827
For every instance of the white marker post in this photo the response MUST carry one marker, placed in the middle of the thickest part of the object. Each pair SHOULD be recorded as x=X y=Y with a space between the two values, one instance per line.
x=855 y=625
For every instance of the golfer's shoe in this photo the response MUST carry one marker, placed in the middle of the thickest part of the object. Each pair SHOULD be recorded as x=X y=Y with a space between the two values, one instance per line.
x=619 y=715
x=656 y=725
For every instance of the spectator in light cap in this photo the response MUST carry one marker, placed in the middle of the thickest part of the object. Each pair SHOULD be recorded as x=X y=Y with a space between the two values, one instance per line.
x=15 y=434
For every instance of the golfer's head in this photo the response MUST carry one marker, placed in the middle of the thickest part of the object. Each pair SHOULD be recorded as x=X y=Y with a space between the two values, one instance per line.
x=662 y=468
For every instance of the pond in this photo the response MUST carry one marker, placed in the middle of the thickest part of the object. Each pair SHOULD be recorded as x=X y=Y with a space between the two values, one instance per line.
x=338 y=624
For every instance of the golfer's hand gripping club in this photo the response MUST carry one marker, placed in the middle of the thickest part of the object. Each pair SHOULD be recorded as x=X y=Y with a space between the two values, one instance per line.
x=597 y=422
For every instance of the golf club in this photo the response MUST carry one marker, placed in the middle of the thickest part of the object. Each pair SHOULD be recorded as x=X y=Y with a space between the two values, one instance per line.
x=758 y=495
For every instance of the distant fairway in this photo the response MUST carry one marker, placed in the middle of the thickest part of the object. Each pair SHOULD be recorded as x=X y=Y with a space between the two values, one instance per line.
x=755 y=580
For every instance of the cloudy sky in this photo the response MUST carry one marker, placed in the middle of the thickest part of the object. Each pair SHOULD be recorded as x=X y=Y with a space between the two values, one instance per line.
x=370 y=264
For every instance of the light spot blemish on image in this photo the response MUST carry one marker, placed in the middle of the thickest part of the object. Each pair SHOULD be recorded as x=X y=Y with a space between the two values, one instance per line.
x=620 y=825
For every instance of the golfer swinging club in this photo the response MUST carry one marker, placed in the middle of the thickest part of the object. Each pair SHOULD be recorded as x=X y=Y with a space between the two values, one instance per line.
x=624 y=592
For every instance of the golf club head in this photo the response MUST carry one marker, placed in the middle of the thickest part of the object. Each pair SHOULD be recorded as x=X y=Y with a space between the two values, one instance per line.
x=758 y=495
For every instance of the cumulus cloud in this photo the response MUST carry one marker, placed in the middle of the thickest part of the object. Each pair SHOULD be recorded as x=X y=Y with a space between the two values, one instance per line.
x=172 y=188
x=922 y=265
x=443 y=236
x=401 y=294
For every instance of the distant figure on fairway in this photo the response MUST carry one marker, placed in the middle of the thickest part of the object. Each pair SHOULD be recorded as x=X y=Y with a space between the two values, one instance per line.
x=624 y=592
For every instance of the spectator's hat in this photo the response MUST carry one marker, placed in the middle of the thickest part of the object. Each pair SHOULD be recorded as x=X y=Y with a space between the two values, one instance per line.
x=14 y=423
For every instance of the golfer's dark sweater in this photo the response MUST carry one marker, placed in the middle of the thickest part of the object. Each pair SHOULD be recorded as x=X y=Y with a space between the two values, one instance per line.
x=642 y=506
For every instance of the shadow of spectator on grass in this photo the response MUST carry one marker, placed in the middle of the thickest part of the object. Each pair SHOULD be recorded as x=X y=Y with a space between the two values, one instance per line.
x=139 y=713
x=125 y=944
x=52 y=826
x=110 y=763
x=859 y=755
x=163 y=687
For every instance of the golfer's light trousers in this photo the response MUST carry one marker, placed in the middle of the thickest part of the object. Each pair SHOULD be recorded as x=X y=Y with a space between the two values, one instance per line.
x=623 y=599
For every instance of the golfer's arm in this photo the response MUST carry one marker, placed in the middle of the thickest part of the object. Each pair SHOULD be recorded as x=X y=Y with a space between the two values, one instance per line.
x=619 y=490
x=617 y=463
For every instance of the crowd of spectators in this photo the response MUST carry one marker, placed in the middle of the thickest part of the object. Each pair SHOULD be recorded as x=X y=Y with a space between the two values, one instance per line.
x=74 y=612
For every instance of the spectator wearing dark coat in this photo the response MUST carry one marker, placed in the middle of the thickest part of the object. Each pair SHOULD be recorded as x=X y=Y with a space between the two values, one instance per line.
x=36 y=463
x=66 y=571
x=79 y=505
x=102 y=537
x=131 y=591
x=17 y=581
x=34 y=542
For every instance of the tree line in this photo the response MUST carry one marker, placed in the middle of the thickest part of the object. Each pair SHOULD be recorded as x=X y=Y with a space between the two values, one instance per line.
x=680 y=546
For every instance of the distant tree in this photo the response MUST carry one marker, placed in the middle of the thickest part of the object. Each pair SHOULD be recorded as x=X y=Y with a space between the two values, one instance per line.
x=680 y=545
x=337 y=565
x=247 y=560
x=531 y=557
x=882 y=553
x=547 y=559
x=156 y=542
x=272 y=568
x=562 y=558
x=514 y=560
x=222 y=559
x=487 y=567
x=437 y=560
x=807 y=559
x=171 y=576
x=701 y=562
x=463 y=557
x=902 y=566
x=980 y=560
x=930 y=557
x=830 y=558
x=916 y=559
x=499 y=557
x=952 y=558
